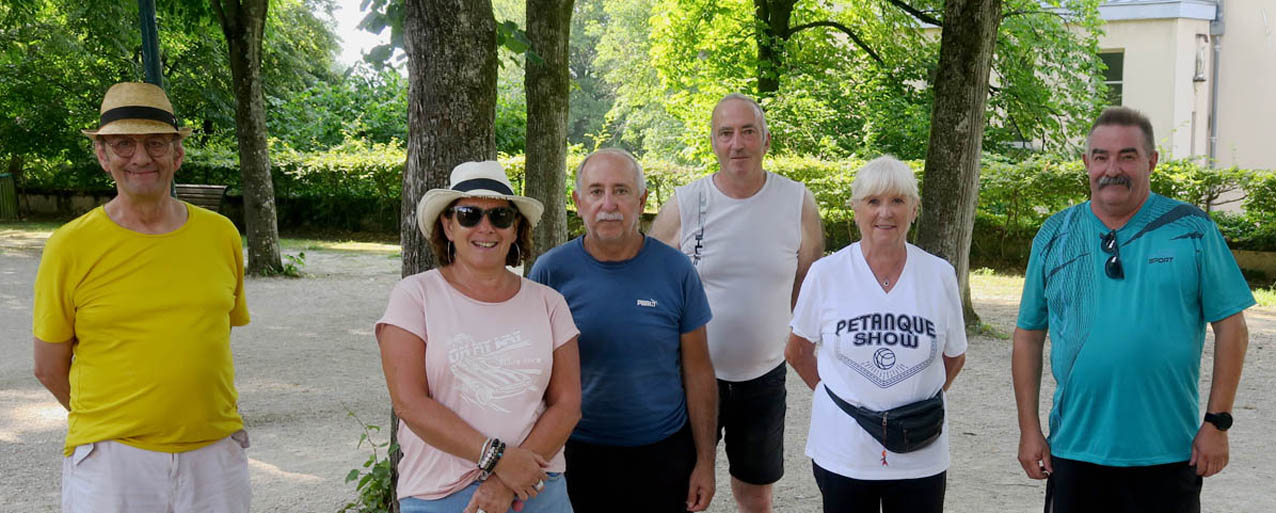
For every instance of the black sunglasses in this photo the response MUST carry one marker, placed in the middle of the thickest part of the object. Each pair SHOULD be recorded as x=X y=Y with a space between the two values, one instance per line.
x=469 y=217
x=1113 y=266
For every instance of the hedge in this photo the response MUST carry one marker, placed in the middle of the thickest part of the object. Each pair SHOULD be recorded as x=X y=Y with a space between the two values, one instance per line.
x=356 y=187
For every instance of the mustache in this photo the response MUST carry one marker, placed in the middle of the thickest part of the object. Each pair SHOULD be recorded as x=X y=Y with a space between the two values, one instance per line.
x=1114 y=180
x=609 y=216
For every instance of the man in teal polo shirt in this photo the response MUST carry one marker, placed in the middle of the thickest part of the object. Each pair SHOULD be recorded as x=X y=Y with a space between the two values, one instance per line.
x=1125 y=284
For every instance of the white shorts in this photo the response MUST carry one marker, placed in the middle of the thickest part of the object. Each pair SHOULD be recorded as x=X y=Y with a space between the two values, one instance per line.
x=110 y=477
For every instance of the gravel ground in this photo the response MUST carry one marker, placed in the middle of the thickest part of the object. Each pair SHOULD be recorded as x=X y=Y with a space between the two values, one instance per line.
x=308 y=360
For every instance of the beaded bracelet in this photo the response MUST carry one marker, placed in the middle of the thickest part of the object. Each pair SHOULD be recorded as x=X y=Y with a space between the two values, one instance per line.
x=493 y=449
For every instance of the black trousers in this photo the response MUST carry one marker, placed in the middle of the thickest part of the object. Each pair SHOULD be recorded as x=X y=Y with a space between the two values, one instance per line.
x=847 y=495
x=647 y=478
x=1078 y=486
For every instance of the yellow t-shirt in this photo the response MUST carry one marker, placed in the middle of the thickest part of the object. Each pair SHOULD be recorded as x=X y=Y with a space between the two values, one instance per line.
x=151 y=316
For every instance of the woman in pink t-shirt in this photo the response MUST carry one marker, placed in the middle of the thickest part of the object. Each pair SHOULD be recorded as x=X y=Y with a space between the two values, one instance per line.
x=481 y=364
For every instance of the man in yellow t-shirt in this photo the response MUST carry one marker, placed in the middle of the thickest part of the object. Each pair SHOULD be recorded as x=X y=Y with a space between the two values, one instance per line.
x=134 y=302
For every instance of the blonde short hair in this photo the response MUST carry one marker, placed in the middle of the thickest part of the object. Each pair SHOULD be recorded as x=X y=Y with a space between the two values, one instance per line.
x=885 y=175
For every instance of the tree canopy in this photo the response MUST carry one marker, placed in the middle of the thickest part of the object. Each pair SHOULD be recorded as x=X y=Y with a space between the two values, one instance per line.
x=57 y=58
x=840 y=78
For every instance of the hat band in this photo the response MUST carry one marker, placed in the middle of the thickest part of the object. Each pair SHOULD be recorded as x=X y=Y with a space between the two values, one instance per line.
x=483 y=183
x=137 y=112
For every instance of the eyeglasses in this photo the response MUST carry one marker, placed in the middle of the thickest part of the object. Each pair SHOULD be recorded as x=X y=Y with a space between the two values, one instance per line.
x=156 y=147
x=469 y=217
x=1113 y=266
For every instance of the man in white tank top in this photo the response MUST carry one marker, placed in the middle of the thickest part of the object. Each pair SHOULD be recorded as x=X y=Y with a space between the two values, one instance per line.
x=752 y=235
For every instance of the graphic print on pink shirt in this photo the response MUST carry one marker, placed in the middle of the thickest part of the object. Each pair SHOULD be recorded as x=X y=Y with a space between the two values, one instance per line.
x=490 y=370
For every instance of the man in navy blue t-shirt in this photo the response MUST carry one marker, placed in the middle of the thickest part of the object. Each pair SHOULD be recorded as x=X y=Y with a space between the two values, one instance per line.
x=646 y=440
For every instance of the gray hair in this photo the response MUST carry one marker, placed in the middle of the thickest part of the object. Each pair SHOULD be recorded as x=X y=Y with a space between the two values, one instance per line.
x=639 y=179
x=744 y=98
x=885 y=175
x=1124 y=116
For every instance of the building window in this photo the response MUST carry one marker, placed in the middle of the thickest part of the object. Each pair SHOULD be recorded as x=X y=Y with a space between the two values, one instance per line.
x=1115 y=64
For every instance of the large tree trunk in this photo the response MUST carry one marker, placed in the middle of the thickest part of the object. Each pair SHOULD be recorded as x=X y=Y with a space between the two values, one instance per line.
x=243 y=22
x=548 y=87
x=451 y=47
x=950 y=188
x=772 y=17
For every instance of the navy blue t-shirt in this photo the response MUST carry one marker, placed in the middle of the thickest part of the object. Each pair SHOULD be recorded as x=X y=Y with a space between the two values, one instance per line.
x=631 y=315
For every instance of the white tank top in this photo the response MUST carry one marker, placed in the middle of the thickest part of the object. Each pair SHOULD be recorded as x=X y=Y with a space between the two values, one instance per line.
x=746 y=253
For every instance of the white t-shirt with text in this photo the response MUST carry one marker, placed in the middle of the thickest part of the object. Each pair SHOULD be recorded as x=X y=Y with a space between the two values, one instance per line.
x=877 y=350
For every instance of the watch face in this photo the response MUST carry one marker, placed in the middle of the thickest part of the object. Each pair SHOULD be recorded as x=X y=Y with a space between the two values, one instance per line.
x=1222 y=421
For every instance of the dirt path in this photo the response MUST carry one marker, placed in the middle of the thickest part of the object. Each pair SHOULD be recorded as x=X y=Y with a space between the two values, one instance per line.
x=309 y=358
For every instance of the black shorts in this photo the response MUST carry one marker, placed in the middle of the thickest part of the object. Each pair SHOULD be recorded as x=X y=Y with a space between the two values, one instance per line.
x=1081 y=486
x=752 y=415
x=848 y=495
x=653 y=477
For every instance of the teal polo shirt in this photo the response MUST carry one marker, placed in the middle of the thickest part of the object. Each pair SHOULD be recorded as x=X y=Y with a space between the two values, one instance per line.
x=1126 y=353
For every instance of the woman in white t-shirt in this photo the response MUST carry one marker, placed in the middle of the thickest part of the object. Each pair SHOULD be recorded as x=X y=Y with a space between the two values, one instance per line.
x=877 y=324
x=481 y=364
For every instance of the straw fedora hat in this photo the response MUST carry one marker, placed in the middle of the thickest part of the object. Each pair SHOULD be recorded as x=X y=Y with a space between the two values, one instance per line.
x=474 y=180
x=136 y=108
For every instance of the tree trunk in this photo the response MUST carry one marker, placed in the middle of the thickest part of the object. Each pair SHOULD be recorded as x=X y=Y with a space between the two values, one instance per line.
x=243 y=23
x=548 y=87
x=451 y=47
x=15 y=170
x=951 y=179
x=772 y=17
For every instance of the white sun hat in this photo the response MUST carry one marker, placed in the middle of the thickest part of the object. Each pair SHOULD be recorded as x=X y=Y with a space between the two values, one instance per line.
x=484 y=179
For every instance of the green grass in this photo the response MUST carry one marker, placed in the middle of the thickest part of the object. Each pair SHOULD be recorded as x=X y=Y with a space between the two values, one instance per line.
x=331 y=245
x=33 y=233
x=29 y=226
x=987 y=330
x=1265 y=297
x=985 y=282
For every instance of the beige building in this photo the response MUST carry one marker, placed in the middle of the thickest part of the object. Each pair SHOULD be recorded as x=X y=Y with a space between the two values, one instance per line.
x=1204 y=71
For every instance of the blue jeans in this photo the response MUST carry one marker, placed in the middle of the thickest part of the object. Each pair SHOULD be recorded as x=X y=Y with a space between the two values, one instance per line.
x=553 y=499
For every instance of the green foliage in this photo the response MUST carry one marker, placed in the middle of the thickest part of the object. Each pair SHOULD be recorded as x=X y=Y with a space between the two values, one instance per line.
x=1015 y=198
x=293 y=265
x=332 y=188
x=356 y=186
x=1046 y=86
x=383 y=14
x=375 y=488
x=389 y=14
x=58 y=57
x=638 y=119
x=1265 y=297
x=511 y=114
x=668 y=61
x=1188 y=180
x=590 y=96
x=365 y=104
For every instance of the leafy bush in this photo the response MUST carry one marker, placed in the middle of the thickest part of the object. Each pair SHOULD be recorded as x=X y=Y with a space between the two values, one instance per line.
x=375 y=488
x=356 y=186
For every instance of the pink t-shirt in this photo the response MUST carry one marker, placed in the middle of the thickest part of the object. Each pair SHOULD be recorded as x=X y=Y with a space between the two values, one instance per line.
x=488 y=362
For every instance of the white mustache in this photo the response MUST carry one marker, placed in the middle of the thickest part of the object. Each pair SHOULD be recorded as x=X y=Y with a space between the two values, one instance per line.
x=609 y=216
x=1113 y=180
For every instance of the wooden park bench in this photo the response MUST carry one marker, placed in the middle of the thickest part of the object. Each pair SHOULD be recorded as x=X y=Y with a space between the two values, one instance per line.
x=206 y=196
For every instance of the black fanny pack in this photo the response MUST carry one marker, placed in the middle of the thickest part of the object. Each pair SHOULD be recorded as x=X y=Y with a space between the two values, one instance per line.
x=904 y=429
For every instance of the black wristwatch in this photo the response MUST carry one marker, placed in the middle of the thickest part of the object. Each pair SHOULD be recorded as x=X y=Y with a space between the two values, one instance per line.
x=1221 y=420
